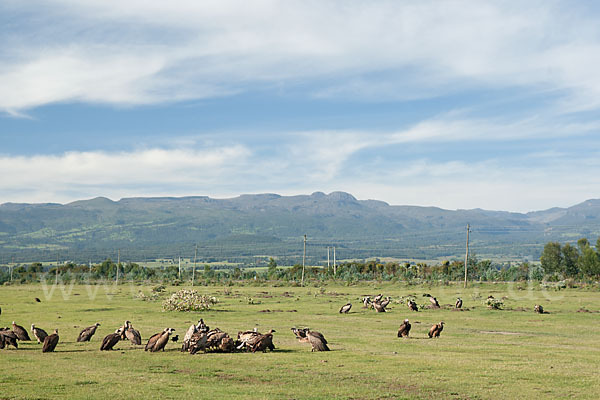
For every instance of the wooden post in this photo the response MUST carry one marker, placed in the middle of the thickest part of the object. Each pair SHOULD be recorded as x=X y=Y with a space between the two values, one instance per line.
x=194 y=270
x=467 y=256
x=179 y=267
x=303 y=261
x=334 y=263
x=118 y=262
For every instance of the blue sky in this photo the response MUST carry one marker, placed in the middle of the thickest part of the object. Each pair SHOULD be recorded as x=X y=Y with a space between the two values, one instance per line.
x=452 y=104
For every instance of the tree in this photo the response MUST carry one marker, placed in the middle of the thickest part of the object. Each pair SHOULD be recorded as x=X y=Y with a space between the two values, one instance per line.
x=589 y=262
x=570 y=260
x=551 y=258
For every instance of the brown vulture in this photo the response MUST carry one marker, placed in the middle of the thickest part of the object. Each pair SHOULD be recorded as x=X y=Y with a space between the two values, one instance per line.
x=300 y=334
x=434 y=302
x=538 y=309
x=50 y=342
x=317 y=341
x=38 y=333
x=214 y=338
x=110 y=340
x=247 y=338
x=404 y=329
x=346 y=309
x=378 y=298
x=152 y=341
x=413 y=305
x=380 y=307
x=436 y=329
x=197 y=342
x=162 y=340
x=263 y=342
x=8 y=337
x=86 y=334
x=458 y=303
x=133 y=334
x=20 y=332
x=366 y=302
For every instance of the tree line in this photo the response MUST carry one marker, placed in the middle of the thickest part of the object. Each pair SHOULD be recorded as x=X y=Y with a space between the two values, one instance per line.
x=577 y=262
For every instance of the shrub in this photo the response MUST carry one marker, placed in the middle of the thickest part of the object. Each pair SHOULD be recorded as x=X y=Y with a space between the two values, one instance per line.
x=189 y=300
x=494 y=304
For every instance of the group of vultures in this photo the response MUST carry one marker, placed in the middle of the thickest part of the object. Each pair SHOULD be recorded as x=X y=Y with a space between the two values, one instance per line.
x=199 y=337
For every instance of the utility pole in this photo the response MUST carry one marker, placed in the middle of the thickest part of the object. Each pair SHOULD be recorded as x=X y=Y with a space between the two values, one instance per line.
x=179 y=267
x=334 y=264
x=327 y=257
x=194 y=270
x=118 y=263
x=467 y=255
x=56 y=276
x=303 y=261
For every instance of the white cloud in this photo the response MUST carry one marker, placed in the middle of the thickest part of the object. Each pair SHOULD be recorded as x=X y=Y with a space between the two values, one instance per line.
x=138 y=52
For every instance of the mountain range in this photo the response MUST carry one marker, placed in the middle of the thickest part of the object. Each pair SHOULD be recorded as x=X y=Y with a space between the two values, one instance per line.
x=253 y=227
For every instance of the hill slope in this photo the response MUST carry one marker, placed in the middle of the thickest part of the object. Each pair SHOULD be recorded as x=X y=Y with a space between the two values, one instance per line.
x=269 y=224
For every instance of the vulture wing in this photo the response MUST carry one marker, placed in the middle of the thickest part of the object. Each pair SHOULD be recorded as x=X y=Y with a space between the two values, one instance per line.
x=50 y=343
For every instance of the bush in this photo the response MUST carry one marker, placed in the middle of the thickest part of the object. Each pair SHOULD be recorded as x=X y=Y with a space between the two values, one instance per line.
x=494 y=304
x=188 y=300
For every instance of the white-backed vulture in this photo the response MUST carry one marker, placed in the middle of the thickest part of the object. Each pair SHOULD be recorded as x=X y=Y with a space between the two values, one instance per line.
x=346 y=308
x=317 y=341
x=86 y=334
x=38 y=333
x=538 y=309
x=436 y=329
x=110 y=340
x=378 y=298
x=162 y=340
x=133 y=334
x=247 y=338
x=20 y=332
x=434 y=302
x=404 y=329
x=366 y=302
x=152 y=340
x=50 y=342
x=458 y=303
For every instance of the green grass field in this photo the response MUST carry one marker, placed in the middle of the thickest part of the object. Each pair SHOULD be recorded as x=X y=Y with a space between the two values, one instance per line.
x=482 y=354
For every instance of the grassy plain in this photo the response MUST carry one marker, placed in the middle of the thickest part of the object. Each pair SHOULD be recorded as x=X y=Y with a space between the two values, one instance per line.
x=482 y=354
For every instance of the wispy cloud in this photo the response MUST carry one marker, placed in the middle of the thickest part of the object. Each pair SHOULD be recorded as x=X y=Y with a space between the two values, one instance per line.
x=140 y=52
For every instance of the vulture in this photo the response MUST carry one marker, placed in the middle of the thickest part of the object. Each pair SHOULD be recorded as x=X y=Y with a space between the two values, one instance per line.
x=38 y=333
x=8 y=337
x=188 y=336
x=152 y=341
x=436 y=329
x=227 y=345
x=214 y=338
x=434 y=302
x=132 y=334
x=50 y=342
x=380 y=307
x=197 y=342
x=247 y=338
x=300 y=334
x=366 y=301
x=404 y=329
x=346 y=309
x=20 y=332
x=86 y=334
x=413 y=305
x=162 y=340
x=385 y=303
x=538 y=309
x=378 y=298
x=202 y=327
x=110 y=340
x=458 y=303
x=264 y=342
x=317 y=341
